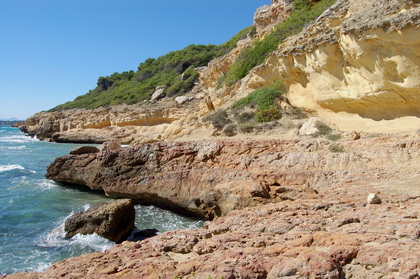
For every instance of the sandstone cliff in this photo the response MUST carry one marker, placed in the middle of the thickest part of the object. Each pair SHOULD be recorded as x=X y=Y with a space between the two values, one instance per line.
x=356 y=67
x=286 y=207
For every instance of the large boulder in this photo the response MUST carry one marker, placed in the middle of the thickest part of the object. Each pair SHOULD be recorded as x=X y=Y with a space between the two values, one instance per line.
x=159 y=93
x=113 y=220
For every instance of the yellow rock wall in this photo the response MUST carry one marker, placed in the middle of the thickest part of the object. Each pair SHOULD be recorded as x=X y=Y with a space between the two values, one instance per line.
x=357 y=77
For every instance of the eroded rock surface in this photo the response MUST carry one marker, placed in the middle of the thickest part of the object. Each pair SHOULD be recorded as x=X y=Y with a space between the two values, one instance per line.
x=359 y=59
x=212 y=178
x=329 y=236
x=112 y=220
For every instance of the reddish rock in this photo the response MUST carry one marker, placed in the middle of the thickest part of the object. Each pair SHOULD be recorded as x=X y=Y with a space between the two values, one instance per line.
x=243 y=244
x=212 y=178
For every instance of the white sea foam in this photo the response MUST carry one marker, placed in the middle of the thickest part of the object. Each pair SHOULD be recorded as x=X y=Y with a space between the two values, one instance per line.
x=20 y=147
x=45 y=184
x=17 y=139
x=56 y=238
x=93 y=241
x=4 y=168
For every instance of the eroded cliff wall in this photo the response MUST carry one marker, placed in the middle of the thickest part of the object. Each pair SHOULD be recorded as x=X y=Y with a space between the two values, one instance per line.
x=357 y=66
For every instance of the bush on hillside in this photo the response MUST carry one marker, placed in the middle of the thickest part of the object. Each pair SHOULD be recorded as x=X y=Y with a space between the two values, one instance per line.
x=219 y=119
x=264 y=101
x=304 y=13
x=175 y=70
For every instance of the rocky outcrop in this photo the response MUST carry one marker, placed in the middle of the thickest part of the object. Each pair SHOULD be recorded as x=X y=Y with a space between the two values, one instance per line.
x=112 y=220
x=84 y=150
x=356 y=66
x=212 y=178
x=267 y=16
x=123 y=123
x=332 y=235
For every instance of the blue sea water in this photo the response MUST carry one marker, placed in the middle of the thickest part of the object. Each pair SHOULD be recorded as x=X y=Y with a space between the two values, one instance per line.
x=33 y=209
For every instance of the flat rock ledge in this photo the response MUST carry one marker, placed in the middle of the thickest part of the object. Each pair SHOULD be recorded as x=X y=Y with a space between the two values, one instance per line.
x=328 y=237
x=209 y=179
x=291 y=209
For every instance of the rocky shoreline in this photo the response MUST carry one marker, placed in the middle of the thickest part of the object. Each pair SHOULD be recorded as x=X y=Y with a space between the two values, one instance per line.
x=313 y=219
x=333 y=232
x=211 y=178
x=278 y=205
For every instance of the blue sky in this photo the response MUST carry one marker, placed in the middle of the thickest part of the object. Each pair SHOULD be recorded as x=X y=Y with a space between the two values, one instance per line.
x=52 y=51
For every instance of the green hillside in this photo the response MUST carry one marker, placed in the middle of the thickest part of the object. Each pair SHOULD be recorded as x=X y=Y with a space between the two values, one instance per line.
x=176 y=70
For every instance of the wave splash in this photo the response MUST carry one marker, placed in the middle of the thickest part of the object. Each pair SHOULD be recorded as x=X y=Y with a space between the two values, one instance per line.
x=17 y=139
x=4 y=168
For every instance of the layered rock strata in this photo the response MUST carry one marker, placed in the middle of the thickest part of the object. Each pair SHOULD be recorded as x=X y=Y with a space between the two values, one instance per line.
x=212 y=178
x=123 y=123
x=356 y=67
x=360 y=60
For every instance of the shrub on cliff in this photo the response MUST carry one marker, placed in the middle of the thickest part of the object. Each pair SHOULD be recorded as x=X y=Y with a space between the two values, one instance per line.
x=304 y=12
x=264 y=100
x=219 y=119
x=267 y=115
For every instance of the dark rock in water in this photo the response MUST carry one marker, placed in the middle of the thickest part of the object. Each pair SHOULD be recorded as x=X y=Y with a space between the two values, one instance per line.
x=112 y=220
x=137 y=235
x=84 y=150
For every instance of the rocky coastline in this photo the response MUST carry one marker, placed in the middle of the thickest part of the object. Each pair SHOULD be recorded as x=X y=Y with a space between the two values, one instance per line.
x=211 y=178
x=278 y=204
x=279 y=208
x=288 y=209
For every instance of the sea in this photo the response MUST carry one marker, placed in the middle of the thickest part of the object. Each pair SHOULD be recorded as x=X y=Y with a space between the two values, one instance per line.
x=33 y=209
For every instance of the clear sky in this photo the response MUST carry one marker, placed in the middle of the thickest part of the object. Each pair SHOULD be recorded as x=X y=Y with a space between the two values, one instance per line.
x=52 y=51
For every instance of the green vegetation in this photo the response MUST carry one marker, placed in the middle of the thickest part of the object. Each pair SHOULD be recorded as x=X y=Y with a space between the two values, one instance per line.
x=267 y=115
x=264 y=100
x=255 y=112
x=219 y=119
x=335 y=148
x=175 y=70
x=304 y=12
x=325 y=130
x=230 y=130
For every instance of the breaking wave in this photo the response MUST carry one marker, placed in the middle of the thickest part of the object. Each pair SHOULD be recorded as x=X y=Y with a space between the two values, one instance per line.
x=4 y=168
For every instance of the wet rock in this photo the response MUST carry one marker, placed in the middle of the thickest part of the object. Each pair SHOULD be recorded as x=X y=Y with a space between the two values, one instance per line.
x=112 y=220
x=138 y=235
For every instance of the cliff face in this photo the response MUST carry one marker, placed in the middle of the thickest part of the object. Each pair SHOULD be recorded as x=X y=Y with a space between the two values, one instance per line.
x=356 y=66
x=124 y=123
